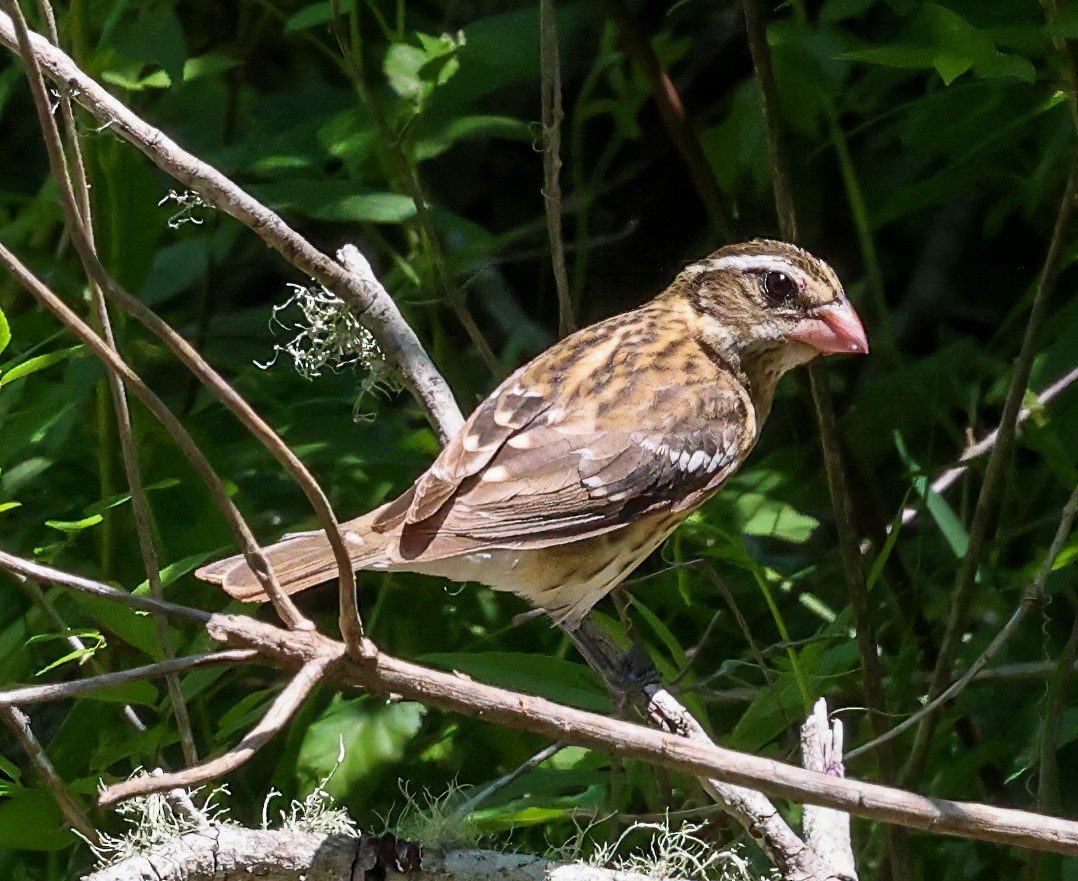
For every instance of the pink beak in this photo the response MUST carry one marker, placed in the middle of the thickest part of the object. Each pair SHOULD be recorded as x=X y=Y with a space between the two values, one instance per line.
x=833 y=329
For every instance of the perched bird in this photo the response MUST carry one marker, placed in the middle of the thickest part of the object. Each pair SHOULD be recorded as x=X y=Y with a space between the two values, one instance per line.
x=582 y=462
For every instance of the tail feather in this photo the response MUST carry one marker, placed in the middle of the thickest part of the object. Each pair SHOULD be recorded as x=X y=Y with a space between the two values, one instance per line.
x=299 y=561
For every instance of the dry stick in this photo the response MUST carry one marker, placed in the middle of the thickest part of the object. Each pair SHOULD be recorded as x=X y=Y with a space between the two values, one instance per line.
x=983 y=514
x=827 y=831
x=281 y=710
x=975 y=450
x=639 y=49
x=871 y=672
x=23 y=568
x=395 y=338
x=19 y=723
x=1031 y=597
x=33 y=694
x=550 y=64
x=70 y=171
x=255 y=558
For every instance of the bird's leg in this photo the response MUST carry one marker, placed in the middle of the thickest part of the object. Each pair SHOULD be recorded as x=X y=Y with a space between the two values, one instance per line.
x=626 y=674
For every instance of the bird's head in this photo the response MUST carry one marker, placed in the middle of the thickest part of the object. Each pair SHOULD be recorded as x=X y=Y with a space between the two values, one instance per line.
x=770 y=300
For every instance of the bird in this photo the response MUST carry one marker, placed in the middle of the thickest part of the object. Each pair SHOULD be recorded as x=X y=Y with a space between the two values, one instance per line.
x=582 y=462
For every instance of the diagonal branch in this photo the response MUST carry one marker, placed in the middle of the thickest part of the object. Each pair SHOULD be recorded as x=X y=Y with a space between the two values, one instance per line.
x=54 y=691
x=1031 y=598
x=38 y=572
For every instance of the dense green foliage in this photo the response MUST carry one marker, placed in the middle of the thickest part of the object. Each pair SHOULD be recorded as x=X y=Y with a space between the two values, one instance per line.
x=929 y=145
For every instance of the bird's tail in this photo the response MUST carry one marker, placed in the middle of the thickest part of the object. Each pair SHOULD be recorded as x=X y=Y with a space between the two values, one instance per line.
x=299 y=561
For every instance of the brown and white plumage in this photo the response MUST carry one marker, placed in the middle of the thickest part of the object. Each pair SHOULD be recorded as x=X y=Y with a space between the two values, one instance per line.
x=585 y=459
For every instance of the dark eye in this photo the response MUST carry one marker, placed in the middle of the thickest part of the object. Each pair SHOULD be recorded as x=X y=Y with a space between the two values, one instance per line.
x=778 y=287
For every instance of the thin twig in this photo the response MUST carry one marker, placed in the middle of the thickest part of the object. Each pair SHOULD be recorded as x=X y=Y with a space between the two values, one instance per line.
x=29 y=569
x=72 y=177
x=255 y=558
x=1031 y=597
x=494 y=786
x=984 y=512
x=550 y=73
x=986 y=444
x=54 y=691
x=19 y=723
x=395 y=338
x=281 y=710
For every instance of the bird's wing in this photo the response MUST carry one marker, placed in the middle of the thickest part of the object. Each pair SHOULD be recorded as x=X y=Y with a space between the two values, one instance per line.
x=541 y=462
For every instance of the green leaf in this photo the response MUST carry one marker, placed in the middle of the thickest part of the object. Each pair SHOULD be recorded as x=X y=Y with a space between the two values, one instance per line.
x=337 y=201
x=888 y=545
x=315 y=14
x=72 y=527
x=765 y=516
x=38 y=363
x=7 y=506
x=5 y=331
x=894 y=56
x=951 y=67
x=375 y=735
x=31 y=820
x=553 y=678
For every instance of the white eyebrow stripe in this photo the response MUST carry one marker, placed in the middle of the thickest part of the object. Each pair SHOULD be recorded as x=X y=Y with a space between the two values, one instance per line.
x=759 y=262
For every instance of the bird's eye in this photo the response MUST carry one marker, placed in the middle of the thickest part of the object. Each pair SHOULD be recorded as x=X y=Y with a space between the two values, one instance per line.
x=778 y=287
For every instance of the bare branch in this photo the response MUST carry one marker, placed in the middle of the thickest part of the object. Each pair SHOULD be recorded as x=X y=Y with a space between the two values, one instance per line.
x=395 y=338
x=29 y=569
x=281 y=710
x=986 y=444
x=55 y=691
x=19 y=723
